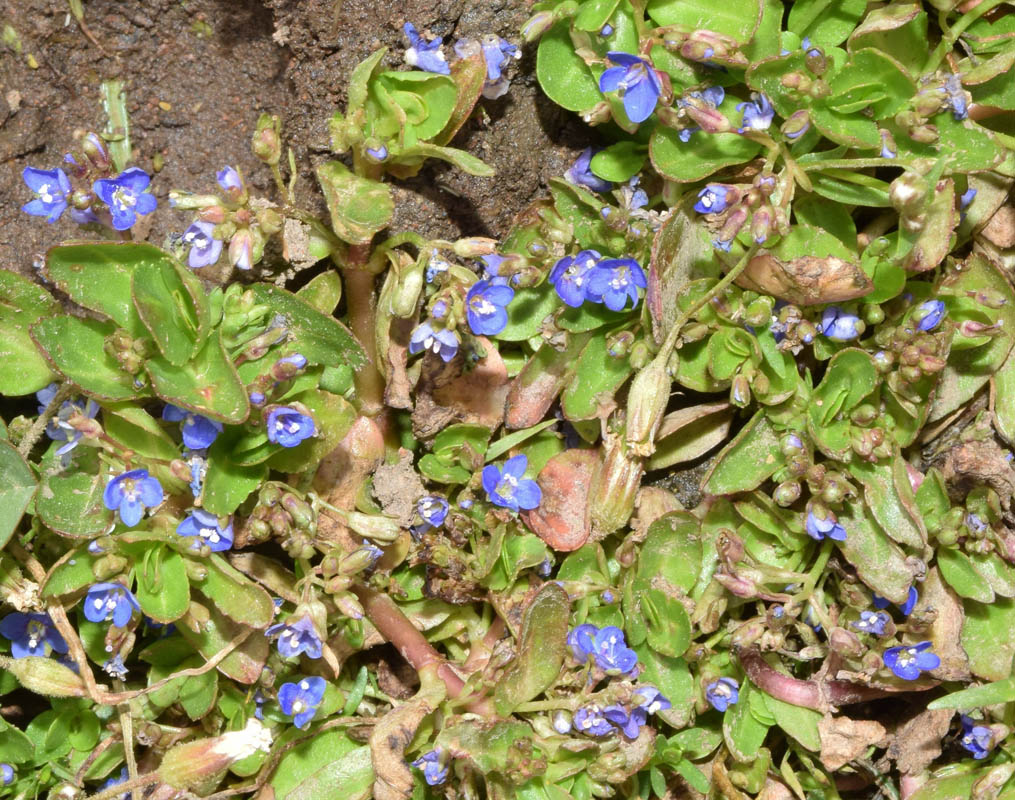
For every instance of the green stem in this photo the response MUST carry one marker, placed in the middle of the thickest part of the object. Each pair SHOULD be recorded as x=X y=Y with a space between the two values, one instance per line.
x=851 y=163
x=127 y=786
x=815 y=572
x=568 y=703
x=952 y=34
x=359 y=291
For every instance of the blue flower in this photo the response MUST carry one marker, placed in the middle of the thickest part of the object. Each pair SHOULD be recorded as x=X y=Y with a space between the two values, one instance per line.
x=205 y=249
x=300 y=700
x=207 y=527
x=495 y=52
x=198 y=467
x=296 y=637
x=582 y=641
x=651 y=699
x=966 y=198
x=506 y=487
x=427 y=56
x=378 y=154
x=629 y=722
x=906 y=608
x=431 y=763
x=115 y=668
x=615 y=280
x=956 y=97
x=908 y=662
x=433 y=510
x=758 y=113
x=888 y=147
x=606 y=30
x=110 y=600
x=31 y=635
x=581 y=175
x=611 y=652
x=826 y=527
x=288 y=427
x=59 y=427
x=198 y=432
x=118 y=780
x=713 y=199
x=131 y=493
x=839 y=325
x=51 y=188
x=722 y=693
x=637 y=82
x=930 y=313
x=126 y=196
x=229 y=179
x=977 y=739
x=486 y=306
x=7 y=774
x=872 y=622
x=590 y=720
x=569 y=276
x=444 y=342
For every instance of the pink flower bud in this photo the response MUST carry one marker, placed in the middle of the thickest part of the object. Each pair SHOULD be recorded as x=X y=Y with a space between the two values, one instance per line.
x=188 y=765
x=44 y=676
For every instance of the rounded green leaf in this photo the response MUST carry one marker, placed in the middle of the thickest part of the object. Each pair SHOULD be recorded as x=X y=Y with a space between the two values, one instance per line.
x=562 y=73
x=76 y=348
x=704 y=155
x=23 y=369
x=16 y=490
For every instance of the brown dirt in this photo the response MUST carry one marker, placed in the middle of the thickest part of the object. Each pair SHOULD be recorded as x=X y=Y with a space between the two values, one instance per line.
x=219 y=64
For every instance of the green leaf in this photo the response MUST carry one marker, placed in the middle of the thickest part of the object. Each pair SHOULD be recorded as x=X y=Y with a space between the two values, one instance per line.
x=879 y=562
x=870 y=80
x=705 y=154
x=333 y=417
x=688 y=434
x=18 y=748
x=137 y=430
x=580 y=209
x=320 y=338
x=959 y=573
x=97 y=275
x=71 y=504
x=593 y=14
x=562 y=73
x=323 y=292
x=319 y=765
x=436 y=94
x=458 y=158
x=195 y=693
x=117 y=132
x=742 y=732
x=163 y=590
x=23 y=370
x=871 y=192
x=227 y=484
x=737 y=19
x=597 y=376
x=527 y=312
x=988 y=637
x=827 y=24
x=359 y=207
x=16 y=490
x=672 y=551
x=541 y=650
x=889 y=495
x=245 y=663
x=76 y=348
x=898 y=28
x=673 y=678
x=668 y=626
x=747 y=461
x=977 y=696
x=619 y=161
x=71 y=573
x=207 y=385
x=173 y=307
x=799 y=722
x=234 y=594
x=998 y=574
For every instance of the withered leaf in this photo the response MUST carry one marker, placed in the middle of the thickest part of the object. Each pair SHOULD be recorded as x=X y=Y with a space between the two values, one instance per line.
x=392 y=734
x=918 y=742
x=562 y=517
x=843 y=739
x=806 y=281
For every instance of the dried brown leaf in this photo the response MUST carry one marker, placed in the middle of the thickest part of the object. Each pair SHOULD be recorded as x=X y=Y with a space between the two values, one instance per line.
x=918 y=742
x=806 y=281
x=844 y=739
x=562 y=518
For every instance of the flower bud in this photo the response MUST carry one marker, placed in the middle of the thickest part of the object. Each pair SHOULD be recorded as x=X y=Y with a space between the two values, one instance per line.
x=348 y=604
x=108 y=566
x=598 y=114
x=614 y=488
x=188 y=765
x=267 y=142
x=710 y=120
x=907 y=193
x=475 y=246
x=740 y=391
x=646 y=404
x=786 y=493
x=300 y=511
x=816 y=62
x=796 y=125
x=761 y=224
x=187 y=200
x=44 y=676
x=241 y=249
x=537 y=25
x=196 y=571
x=373 y=526
x=408 y=288
x=95 y=150
x=845 y=642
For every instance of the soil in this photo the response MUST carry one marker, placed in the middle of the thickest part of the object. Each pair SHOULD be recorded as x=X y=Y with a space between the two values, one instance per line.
x=199 y=72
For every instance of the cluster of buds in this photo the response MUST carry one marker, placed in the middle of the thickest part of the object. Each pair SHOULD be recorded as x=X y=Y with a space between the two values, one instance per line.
x=703 y=47
x=284 y=514
x=694 y=111
x=937 y=94
x=729 y=207
x=237 y=220
x=811 y=83
x=912 y=350
x=791 y=329
x=276 y=379
x=129 y=353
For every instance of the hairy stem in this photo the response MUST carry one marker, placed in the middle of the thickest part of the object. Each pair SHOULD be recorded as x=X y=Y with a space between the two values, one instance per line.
x=35 y=432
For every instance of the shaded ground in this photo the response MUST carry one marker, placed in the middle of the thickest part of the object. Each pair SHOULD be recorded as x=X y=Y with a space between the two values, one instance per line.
x=198 y=74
